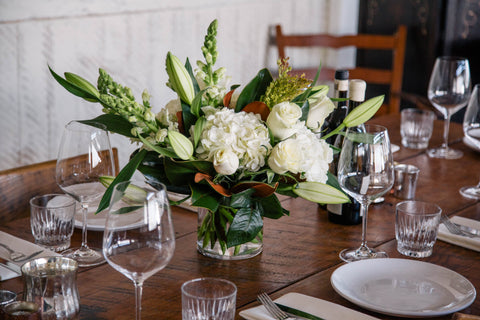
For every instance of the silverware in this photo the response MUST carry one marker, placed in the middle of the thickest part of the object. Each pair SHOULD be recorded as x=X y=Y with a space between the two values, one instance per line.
x=454 y=228
x=470 y=230
x=17 y=256
x=272 y=308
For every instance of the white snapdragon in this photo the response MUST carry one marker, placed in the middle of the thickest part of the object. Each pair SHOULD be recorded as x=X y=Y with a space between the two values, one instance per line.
x=303 y=153
x=227 y=133
x=283 y=120
x=320 y=108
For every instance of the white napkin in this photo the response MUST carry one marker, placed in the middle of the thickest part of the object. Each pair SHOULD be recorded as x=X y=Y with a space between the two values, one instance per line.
x=23 y=246
x=317 y=307
x=470 y=243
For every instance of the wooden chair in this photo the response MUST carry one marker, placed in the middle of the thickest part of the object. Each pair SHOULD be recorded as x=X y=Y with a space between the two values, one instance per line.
x=392 y=76
x=19 y=185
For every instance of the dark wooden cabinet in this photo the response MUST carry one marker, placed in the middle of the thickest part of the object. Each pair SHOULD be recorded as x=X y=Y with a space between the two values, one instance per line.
x=435 y=28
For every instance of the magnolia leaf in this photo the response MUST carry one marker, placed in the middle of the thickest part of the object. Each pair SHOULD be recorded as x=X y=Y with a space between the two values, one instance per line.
x=195 y=109
x=202 y=197
x=74 y=89
x=246 y=224
x=180 y=144
x=320 y=193
x=198 y=129
x=163 y=151
x=254 y=89
x=124 y=175
x=188 y=118
x=113 y=123
x=82 y=83
x=363 y=112
x=272 y=207
x=242 y=199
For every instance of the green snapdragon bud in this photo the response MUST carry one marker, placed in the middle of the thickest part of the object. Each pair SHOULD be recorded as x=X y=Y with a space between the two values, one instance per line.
x=179 y=79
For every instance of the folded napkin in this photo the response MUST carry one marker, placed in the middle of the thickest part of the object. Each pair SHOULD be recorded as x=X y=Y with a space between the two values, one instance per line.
x=20 y=245
x=470 y=243
x=317 y=307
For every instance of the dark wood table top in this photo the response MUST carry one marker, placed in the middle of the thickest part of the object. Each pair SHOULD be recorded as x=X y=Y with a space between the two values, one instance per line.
x=300 y=251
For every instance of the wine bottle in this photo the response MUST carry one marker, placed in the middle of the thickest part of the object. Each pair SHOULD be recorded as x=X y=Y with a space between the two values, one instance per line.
x=347 y=213
x=340 y=87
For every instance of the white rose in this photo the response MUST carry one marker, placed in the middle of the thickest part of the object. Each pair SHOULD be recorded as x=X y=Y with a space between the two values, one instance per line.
x=283 y=120
x=285 y=157
x=320 y=108
x=225 y=162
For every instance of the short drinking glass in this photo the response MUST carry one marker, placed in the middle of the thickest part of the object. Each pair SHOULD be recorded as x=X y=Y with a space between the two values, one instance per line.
x=208 y=298
x=51 y=219
x=416 y=227
x=416 y=127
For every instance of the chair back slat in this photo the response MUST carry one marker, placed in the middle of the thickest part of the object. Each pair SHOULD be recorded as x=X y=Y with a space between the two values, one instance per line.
x=19 y=185
x=389 y=76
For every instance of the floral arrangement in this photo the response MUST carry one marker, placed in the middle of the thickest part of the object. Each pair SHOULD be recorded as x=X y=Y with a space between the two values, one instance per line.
x=230 y=152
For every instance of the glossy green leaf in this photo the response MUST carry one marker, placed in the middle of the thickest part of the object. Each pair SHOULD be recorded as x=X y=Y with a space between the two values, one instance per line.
x=113 y=123
x=254 y=89
x=197 y=132
x=189 y=68
x=202 y=197
x=242 y=199
x=188 y=118
x=272 y=207
x=246 y=224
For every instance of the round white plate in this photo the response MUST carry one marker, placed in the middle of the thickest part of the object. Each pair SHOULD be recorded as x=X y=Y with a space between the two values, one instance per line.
x=402 y=287
x=96 y=222
x=471 y=144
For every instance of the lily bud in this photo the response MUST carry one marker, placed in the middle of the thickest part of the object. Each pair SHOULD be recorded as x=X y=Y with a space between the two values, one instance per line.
x=363 y=112
x=180 y=144
x=179 y=79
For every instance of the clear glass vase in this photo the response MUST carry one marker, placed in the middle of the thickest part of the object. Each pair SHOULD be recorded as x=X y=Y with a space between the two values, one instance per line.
x=213 y=247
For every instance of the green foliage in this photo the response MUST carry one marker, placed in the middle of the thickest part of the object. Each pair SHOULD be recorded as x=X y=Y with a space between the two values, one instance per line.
x=254 y=90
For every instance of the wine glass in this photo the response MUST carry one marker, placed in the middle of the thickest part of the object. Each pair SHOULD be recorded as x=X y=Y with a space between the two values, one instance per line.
x=138 y=240
x=471 y=128
x=365 y=172
x=85 y=155
x=448 y=91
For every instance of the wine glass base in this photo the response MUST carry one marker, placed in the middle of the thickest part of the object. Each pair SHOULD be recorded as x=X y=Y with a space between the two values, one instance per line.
x=472 y=192
x=362 y=253
x=443 y=153
x=85 y=257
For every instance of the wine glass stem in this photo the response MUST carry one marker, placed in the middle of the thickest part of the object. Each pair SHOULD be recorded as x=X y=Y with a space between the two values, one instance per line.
x=364 y=213
x=138 y=300
x=446 y=129
x=84 y=225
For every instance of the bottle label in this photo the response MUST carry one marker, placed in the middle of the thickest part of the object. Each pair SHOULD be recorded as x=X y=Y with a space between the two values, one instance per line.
x=335 y=208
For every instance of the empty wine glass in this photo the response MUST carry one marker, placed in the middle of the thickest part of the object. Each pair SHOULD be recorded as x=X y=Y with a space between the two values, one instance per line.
x=471 y=128
x=85 y=155
x=365 y=172
x=138 y=240
x=448 y=91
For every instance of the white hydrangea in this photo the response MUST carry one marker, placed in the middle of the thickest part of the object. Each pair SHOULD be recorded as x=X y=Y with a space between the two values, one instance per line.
x=302 y=153
x=242 y=134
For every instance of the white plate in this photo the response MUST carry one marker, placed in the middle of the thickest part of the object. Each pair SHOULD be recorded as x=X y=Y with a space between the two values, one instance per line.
x=96 y=222
x=471 y=144
x=402 y=287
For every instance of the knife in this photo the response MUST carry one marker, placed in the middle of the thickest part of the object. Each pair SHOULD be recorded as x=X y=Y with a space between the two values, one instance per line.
x=298 y=313
x=469 y=230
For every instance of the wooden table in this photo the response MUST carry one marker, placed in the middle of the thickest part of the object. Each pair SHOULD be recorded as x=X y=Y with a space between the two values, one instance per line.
x=300 y=251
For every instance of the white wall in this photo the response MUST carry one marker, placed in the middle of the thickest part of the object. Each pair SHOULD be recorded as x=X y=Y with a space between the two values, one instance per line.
x=130 y=39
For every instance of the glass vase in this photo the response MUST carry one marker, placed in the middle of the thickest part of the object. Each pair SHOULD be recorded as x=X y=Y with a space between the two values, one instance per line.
x=211 y=238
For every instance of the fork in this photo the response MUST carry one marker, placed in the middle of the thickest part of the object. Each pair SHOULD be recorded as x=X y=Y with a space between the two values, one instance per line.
x=453 y=228
x=16 y=256
x=272 y=308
